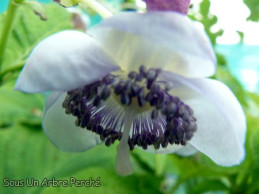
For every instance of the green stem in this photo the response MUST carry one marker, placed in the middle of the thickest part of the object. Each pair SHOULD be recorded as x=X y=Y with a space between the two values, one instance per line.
x=7 y=29
x=160 y=162
x=97 y=7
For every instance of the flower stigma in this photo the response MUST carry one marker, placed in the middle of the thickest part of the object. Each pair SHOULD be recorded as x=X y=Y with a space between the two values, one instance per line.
x=136 y=108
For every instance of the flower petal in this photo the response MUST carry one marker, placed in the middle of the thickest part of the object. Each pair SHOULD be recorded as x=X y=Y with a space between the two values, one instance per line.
x=164 y=40
x=52 y=97
x=187 y=150
x=60 y=128
x=64 y=61
x=220 y=118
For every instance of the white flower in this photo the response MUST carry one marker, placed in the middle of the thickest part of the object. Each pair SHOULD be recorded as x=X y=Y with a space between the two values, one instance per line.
x=138 y=78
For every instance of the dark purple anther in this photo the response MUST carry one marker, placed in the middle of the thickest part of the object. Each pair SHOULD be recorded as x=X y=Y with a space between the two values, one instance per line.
x=97 y=101
x=120 y=87
x=108 y=142
x=149 y=96
x=168 y=120
x=125 y=99
x=165 y=142
x=89 y=124
x=155 y=87
x=154 y=114
x=109 y=79
x=169 y=109
x=83 y=123
x=132 y=75
x=105 y=93
x=140 y=97
x=139 y=77
x=99 y=129
x=127 y=86
x=107 y=132
x=142 y=70
x=134 y=89
x=141 y=101
x=131 y=144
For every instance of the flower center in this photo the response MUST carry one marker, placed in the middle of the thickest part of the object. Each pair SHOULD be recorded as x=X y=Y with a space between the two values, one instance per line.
x=159 y=118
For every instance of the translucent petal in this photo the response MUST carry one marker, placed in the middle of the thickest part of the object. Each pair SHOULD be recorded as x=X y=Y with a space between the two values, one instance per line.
x=64 y=61
x=157 y=39
x=52 y=97
x=60 y=128
x=187 y=150
x=220 y=118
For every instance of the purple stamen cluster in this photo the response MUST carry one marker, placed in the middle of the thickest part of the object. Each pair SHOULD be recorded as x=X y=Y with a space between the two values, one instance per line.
x=77 y=103
x=170 y=121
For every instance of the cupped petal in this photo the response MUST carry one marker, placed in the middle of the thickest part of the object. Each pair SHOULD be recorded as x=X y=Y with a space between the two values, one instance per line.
x=165 y=40
x=220 y=118
x=64 y=61
x=60 y=128
x=52 y=97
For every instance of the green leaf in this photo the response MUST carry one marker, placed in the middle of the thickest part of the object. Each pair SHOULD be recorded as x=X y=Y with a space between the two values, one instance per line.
x=110 y=182
x=19 y=107
x=67 y=3
x=208 y=20
x=253 y=5
x=29 y=154
x=203 y=186
x=30 y=30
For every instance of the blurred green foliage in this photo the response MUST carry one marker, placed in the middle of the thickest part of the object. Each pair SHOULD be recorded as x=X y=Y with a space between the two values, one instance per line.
x=28 y=32
x=208 y=20
x=253 y=5
x=25 y=152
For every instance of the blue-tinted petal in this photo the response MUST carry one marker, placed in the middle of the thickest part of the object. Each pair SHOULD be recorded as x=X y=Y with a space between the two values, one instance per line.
x=60 y=128
x=187 y=150
x=164 y=40
x=64 y=61
x=220 y=119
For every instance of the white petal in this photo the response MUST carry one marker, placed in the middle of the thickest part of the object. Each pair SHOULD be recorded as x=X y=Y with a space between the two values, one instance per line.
x=157 y=39
x=123 y=164
x=220 y=118
x=60 y=128
x=52 y=98
x=64 y=61
x=187 y=150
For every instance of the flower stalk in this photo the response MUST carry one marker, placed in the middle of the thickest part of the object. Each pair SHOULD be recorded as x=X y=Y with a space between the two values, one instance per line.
x=7 y=28
x=123 y=165
x=97 y=7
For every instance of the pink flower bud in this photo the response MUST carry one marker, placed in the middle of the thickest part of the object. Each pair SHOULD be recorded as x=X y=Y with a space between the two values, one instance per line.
x=180 y=6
